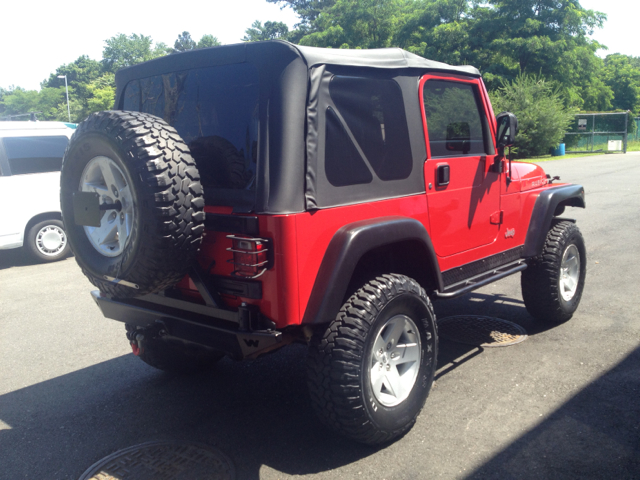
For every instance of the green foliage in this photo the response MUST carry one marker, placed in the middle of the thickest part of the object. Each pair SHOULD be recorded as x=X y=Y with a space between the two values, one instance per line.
x=622 y=75
x=269 y=31
x=19 y=101
x=307 y=10
x=184 y=43
x=542 y=116
x=361 y=24
x=208 y=41
x=82 y=71
x=123 y=51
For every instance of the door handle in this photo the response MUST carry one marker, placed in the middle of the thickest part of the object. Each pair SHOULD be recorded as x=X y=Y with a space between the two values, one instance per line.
x=442 y=174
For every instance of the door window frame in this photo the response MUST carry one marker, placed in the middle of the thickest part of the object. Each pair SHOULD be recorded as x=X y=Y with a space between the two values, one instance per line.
x=484 y=98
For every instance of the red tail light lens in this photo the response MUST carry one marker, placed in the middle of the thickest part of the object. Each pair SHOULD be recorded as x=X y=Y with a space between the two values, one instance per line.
x=250 y=256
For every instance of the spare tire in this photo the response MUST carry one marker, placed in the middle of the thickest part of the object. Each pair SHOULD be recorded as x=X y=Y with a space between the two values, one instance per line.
x=151 y=240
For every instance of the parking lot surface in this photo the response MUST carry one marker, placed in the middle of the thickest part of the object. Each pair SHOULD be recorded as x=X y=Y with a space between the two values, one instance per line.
x=565 y=403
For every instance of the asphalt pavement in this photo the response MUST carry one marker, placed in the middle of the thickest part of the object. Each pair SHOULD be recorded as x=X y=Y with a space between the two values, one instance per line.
x=565 y=403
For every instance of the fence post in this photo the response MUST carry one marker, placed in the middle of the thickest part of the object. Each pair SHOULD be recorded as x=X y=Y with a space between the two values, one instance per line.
x=626 y=129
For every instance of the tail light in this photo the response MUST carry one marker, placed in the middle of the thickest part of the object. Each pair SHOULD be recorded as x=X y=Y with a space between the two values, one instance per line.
x=251 y=256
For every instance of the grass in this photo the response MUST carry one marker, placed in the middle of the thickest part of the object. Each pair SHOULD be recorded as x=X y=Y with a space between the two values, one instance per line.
x=633 y=146
x=549 y=158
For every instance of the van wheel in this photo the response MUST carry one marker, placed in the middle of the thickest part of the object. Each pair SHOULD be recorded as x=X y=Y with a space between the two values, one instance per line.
x=139 y=164
x=371 y=369
x=47 y=241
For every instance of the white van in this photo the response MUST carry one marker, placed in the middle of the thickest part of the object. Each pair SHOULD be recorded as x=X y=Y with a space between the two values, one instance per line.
x=30 y=160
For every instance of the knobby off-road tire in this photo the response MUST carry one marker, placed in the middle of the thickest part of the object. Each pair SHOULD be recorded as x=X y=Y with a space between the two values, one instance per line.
x=553 y=282
x=174 y=356
x=46 y=241
x=139 y=160
x=389 y=321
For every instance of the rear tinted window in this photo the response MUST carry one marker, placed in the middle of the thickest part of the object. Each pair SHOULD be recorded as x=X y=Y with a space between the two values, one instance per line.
x=35 y=154
x=215 y=111
x=373 y=110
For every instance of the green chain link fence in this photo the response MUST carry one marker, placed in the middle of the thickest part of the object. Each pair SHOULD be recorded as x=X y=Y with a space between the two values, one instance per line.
x=600 y=132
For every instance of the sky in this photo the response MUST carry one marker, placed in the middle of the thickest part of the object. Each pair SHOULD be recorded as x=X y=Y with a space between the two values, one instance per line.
x=33 y=44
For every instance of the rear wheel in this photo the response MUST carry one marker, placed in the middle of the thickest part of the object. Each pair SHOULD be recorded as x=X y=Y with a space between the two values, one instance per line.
x=371 y=369
x=552 y=284
x=47 y=241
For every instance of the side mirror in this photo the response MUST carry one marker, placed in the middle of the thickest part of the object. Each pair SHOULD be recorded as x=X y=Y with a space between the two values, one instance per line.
x=507 y=127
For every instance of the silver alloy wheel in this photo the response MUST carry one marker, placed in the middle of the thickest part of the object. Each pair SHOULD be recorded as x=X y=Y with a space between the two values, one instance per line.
x=103 y=176
x=51 y=240
x=395 y=360
x=569 y=272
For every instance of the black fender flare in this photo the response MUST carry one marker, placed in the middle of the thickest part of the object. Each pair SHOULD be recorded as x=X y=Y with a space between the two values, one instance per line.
x=544 y=212
x=345 y=250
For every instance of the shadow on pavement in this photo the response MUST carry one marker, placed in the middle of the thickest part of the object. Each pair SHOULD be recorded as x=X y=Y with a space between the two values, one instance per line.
x=258 y=413
x=17 y=257
x=596 y=434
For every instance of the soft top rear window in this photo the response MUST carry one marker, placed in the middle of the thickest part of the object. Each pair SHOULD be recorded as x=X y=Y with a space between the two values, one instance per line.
x=35 y=154
x=215 y=111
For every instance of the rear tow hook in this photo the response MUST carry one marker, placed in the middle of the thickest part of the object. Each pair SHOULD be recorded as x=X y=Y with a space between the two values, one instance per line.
x=136 y=345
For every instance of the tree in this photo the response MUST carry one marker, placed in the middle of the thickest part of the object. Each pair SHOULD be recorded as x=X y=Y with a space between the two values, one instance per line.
x=19 y=101
x=361 y=24
x=208 y=41
x=82 y=71
x=102 y=94
x=542 y=117
x=184 y=43
x=268 y=31
x=307 y=10
x=123 y=51
x=623 y=76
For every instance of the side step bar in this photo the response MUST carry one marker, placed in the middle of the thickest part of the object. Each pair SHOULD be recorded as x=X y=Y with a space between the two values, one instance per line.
x=483 y=279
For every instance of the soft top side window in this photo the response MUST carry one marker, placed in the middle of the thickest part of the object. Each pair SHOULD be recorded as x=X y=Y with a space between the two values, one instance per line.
x=373 y=111
x=456 y=123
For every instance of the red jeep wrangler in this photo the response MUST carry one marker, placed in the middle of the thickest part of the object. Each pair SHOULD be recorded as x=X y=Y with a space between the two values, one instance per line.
x=248 y=196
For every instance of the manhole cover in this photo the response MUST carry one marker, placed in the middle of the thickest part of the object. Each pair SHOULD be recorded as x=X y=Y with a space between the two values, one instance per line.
x=163 y=461
x=481 y=331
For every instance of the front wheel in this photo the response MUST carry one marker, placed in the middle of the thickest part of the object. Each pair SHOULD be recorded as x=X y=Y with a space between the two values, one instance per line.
x=552 y=285
x=371 y=369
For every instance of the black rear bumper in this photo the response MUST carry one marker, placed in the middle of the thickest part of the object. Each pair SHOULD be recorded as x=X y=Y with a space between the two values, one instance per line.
x=224 y=330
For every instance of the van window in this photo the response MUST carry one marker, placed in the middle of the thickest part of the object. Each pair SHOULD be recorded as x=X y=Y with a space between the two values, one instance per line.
x=35 y=154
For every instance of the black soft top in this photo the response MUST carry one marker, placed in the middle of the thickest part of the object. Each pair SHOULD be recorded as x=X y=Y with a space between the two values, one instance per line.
x=293 y=96
x=278 y=50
